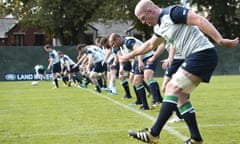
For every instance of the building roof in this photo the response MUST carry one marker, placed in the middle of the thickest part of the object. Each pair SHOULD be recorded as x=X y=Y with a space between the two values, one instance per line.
x=105 y=29
x=6 y=24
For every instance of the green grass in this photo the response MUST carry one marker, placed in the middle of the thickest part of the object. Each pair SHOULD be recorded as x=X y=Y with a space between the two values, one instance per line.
x=70 y=115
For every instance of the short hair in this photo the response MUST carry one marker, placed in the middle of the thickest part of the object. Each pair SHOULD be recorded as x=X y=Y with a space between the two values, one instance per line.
x=113 y=36
x=47 y=46
x=97 y=40
x=80 y=46
x=142 y=5
x=104 y=41
x=60 y=52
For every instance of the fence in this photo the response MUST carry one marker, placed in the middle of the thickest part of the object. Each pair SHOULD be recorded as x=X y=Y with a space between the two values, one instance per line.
x=20 y=61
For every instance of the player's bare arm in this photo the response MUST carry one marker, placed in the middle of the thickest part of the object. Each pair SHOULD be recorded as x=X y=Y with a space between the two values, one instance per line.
x=81 y=60
x=50 y=63
x=168 y=61
x=149 y=45
x=209 y=29
x=90 y=60
x=139 y=57
x=68 y=66
x=108 y=53
x=157 y=53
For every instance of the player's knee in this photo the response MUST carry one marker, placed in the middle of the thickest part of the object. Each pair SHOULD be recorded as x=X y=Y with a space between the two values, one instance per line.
x=92 y=74
x=121 y=77
x=172 y=89
x=148 y=75
x=137 y=82
x=183 y=82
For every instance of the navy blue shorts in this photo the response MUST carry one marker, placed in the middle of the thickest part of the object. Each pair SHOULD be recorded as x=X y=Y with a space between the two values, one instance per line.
x=74 y=70
x=202 y=63
x=98 y=67
x=135 y=68
x=127 y=66
x=176 y=63
x=117 y=66
x=105 y=67
x=56 y=68
x=152 y=66
x=41 y=71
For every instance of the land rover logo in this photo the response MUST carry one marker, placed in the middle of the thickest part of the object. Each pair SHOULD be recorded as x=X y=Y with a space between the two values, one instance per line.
x=10 y=76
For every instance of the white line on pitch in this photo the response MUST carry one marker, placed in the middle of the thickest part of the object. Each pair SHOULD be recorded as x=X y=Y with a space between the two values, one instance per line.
x=166 y=127
x=61 y=133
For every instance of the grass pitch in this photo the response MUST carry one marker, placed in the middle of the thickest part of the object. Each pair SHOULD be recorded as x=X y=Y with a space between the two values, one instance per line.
x=71 y=115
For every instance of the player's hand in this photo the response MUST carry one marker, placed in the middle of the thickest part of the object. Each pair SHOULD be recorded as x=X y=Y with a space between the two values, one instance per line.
x=121 y=72
x=229 y=43
x=150 y=60
x=163 y=88
x=124 y=58
x=165 y=63
x=112 y=66
x=88 y=71
x=140 y=66
x=75 y=65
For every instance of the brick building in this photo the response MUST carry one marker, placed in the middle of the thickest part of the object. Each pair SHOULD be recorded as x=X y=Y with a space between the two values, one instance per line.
x=12 y=34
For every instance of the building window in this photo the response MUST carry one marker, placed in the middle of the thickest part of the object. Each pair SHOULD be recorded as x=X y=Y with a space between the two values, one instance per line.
x=19 y=39
x=39 y=39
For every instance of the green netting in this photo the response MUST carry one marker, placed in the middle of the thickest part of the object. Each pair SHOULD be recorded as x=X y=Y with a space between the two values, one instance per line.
x=23 y=59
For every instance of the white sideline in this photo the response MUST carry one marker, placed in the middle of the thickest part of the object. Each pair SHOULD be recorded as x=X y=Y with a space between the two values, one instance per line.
x=169 y=129
x=61 y=133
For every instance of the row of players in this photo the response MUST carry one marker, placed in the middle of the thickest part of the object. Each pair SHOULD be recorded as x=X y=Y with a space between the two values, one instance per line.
x=100 y=63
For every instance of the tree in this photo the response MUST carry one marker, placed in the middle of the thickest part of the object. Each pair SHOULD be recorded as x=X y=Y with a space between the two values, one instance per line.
x=63 y=19
x=2 y=10
x=225 y=15
x=123 y=10
x=67 y=20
